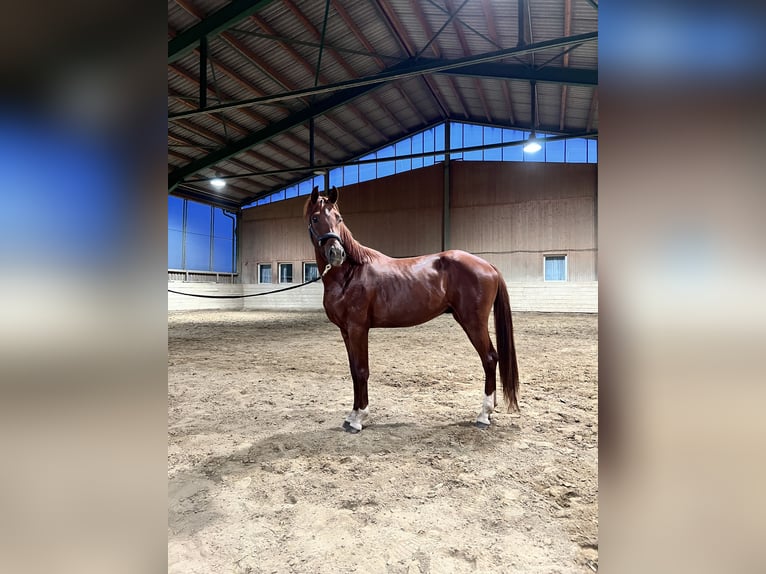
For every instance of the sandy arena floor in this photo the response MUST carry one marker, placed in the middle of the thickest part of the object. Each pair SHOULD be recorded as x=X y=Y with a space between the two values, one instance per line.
x=263 y=479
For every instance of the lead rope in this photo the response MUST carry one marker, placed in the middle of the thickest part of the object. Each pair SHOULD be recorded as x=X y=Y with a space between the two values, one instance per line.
x=326 y=269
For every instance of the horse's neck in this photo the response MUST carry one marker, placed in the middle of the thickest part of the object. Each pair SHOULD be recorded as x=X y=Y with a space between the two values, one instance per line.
x=355 y=250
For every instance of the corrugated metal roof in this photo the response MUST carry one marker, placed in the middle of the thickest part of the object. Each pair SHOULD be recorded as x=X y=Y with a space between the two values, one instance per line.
x=178 y=18
x=275 y=51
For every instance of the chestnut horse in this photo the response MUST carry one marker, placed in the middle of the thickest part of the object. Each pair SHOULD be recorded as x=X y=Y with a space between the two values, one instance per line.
x=364 y=289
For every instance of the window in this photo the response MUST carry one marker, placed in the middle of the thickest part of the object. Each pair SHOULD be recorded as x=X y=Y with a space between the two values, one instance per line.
x=336 y=177
x=554 y=151
x=456 y=139
x=417 y=147
x=350 y=174
x=305 y=187
x=493 y=136
x=264 y=273
x=200 y=237
x=310 y=271
x=439 y=142
x=428 y=145
x=198 y=228
x=592 y=151
x=513 y=153
x=387 y=167
x=223 y=242
x=367 y=170
x=391 y=159
x=577 y=150
x=318 y=182
x=555 y=267
x=285 y=272
x=404 y=147
x=176 y=207
x=472 y=137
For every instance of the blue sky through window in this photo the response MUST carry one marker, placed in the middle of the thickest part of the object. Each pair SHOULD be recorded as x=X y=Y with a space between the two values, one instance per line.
x=200 y=237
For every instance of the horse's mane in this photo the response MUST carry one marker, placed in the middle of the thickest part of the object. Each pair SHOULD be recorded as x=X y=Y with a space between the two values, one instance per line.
x=306 y=208
x=354 y=250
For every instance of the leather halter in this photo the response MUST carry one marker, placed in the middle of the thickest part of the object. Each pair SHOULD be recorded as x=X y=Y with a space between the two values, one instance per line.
x=322 y=239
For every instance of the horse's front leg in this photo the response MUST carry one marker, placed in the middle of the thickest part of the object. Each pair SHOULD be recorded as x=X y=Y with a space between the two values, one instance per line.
x=355 y=339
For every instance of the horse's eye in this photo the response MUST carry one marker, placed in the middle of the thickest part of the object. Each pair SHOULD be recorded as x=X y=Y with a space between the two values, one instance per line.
x=314 y=219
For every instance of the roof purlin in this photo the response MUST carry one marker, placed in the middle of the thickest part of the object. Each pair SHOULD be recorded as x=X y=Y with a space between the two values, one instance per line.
x=296 y=119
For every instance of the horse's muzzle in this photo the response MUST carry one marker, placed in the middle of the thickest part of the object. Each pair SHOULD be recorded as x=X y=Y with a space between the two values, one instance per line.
x=336 y=255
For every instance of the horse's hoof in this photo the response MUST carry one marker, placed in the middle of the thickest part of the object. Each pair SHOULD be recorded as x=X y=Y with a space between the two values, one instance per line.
x=482 y=426
x=349 y=429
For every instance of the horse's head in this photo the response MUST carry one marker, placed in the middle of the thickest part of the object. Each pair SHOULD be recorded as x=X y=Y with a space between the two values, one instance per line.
x=324 y=222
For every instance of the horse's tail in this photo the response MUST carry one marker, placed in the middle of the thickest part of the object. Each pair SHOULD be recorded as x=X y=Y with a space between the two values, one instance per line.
x=509 y=370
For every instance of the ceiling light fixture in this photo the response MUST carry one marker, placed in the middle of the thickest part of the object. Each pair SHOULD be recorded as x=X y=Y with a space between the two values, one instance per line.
x=532 y=145
x=217 y=182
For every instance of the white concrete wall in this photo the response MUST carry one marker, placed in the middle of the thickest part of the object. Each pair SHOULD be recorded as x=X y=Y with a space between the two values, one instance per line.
x=565 y=297
x=305 y=298
x=183 y=303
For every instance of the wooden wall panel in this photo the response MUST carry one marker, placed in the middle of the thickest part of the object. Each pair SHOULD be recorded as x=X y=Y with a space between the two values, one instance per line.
x=400 y=233
x=512 y=214
x=400 y=216
x=581 y=265
x=501 y=183
x=419 y=189
x=536 y=225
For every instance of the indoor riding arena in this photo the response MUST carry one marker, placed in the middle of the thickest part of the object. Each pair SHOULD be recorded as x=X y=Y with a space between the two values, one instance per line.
x=415 y=124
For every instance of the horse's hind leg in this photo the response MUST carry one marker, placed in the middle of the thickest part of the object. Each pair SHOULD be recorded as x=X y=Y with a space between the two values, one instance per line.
x=478 y=334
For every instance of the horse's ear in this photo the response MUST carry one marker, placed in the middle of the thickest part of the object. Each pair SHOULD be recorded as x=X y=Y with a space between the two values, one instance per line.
x=332 y=196
x=315 y=194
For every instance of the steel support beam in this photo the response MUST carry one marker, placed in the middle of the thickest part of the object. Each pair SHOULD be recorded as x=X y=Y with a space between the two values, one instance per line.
x=228 y=16
x=321 y=42
x=522 y=28
x=447 y=190
x=209 y=199
x=465 y=25
x=407 y=69
x=451 y=17
x=498 y=71
x=237 y=263
x=203 y=72
x=311 y=142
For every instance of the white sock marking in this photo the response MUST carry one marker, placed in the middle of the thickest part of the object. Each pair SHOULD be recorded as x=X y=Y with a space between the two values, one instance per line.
x=487 y=407
x=357 y=417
